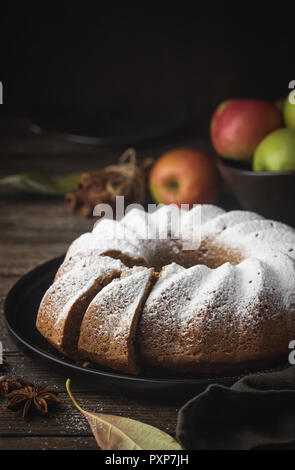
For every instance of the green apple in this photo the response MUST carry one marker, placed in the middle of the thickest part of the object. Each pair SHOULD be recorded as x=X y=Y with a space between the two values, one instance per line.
x=276 y=152
x=289 y=113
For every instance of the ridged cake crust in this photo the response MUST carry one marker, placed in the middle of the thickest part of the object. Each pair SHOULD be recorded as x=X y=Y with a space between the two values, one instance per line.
x=227 y=305
x=223 y=327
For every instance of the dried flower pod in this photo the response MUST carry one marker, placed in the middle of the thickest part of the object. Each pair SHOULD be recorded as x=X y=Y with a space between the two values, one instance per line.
x=31 y=398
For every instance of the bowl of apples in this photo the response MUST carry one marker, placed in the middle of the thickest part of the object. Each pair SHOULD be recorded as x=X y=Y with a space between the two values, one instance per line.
x=255 y=145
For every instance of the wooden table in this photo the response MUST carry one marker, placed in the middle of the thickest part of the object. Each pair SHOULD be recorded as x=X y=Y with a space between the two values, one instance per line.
x=34 y=230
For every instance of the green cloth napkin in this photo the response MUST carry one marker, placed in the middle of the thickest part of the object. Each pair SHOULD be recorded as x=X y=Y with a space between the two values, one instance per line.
x=257 y=412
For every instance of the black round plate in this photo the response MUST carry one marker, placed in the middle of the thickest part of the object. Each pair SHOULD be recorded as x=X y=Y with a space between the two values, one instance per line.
x=116 y=126
x=20 y=311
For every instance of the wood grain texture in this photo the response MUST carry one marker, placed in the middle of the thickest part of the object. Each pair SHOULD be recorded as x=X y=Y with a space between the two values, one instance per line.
x=48 y=443
x=32 y=231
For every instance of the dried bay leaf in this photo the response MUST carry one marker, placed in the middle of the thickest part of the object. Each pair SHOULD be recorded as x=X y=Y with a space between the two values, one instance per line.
x=69 y=182
x=37 y=183
x=118 y=433
x=31 y=183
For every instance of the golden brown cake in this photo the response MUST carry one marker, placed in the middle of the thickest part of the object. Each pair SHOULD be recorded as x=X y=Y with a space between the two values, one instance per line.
x=64 y=304
x=224 y=305
x=109 y=326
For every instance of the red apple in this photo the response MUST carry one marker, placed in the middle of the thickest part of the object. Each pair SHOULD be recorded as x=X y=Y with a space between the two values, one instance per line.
x=238 y=126
x=184 y=176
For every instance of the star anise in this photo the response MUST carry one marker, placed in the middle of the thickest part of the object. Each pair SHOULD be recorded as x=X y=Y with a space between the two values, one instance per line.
x=8 y=384
x=32 y=398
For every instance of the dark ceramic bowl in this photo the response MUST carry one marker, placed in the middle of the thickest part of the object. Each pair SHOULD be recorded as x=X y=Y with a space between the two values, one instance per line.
x=271 y=194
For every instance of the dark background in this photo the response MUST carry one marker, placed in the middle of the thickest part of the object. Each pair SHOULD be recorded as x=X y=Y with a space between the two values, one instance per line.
x=95 y=58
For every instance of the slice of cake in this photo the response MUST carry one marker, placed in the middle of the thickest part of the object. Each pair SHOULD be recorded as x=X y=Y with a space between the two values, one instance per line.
x=64 y=304
x=72 y=261
x=109 y=326
x=69 y=263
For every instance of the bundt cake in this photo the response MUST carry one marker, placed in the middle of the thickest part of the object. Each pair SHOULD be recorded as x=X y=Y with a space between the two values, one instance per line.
x=211 y=293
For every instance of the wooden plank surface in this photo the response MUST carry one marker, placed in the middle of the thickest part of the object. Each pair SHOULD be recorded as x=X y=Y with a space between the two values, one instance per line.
x=32 y=231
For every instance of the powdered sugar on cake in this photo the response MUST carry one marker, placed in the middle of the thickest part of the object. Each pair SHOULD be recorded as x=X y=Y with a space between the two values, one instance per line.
x=73 y=284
